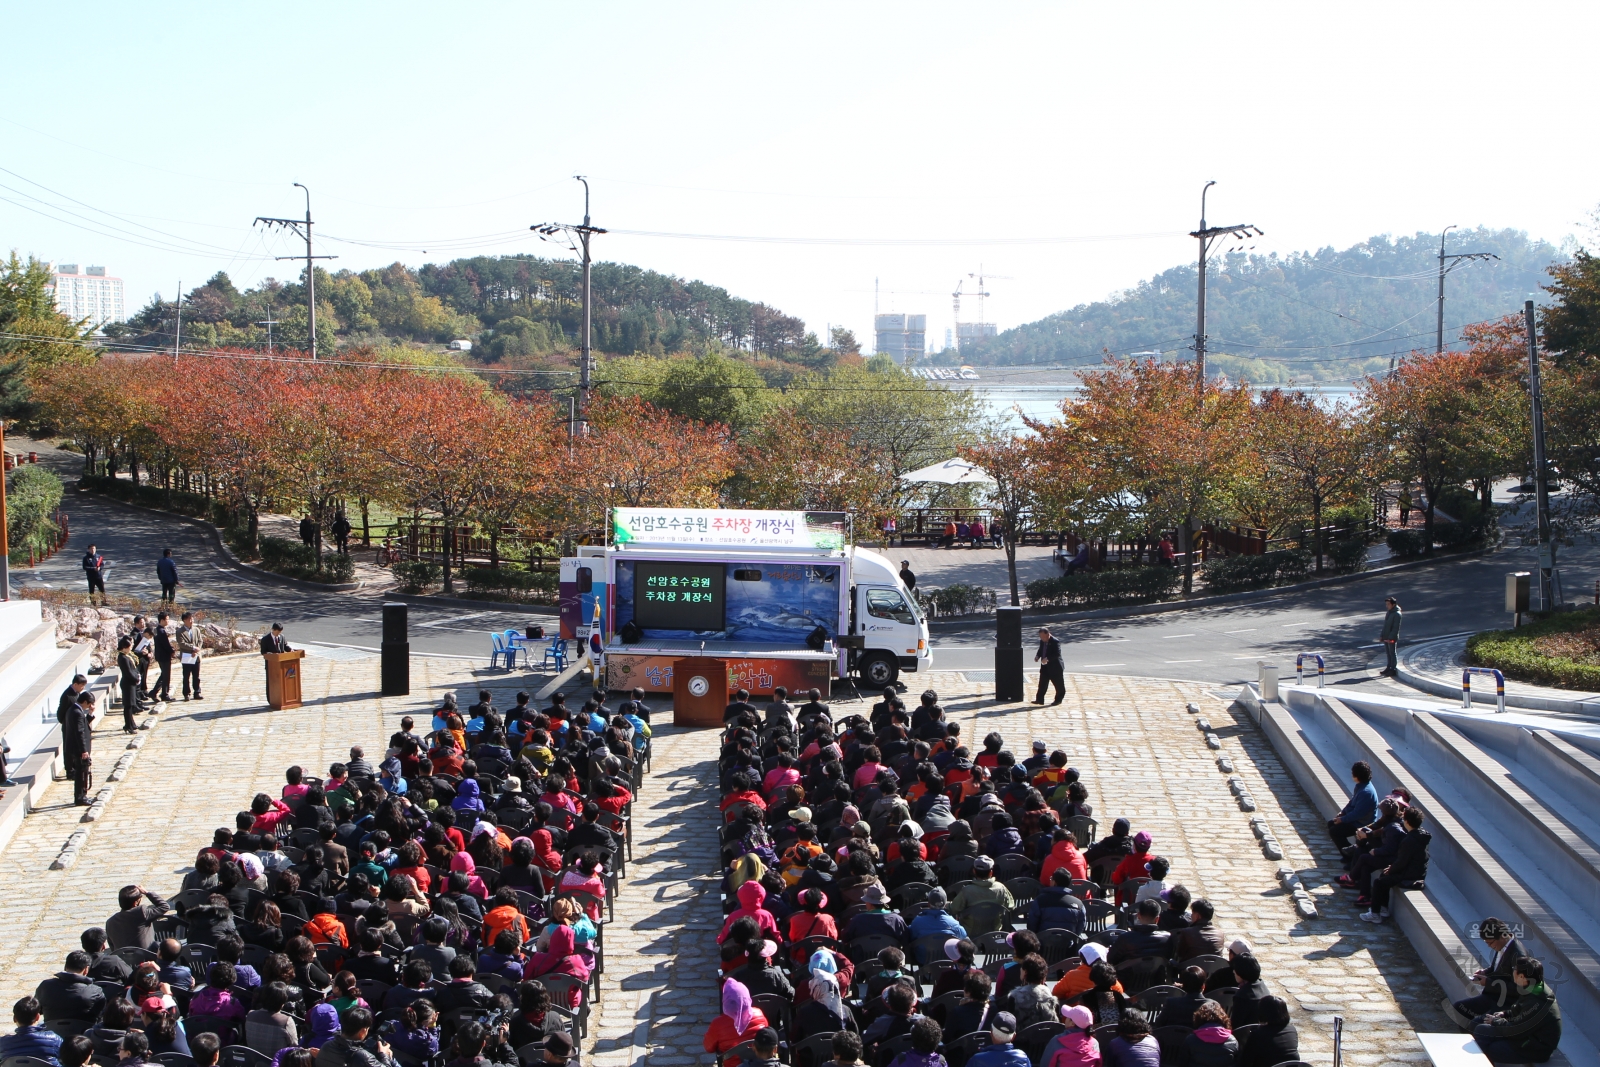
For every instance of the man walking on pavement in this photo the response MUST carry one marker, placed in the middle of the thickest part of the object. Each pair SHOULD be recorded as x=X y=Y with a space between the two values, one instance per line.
x=94 y=569
x=163 y=651
x=189 y=647
x=167 y=574
x=77 y=737
x=1050 y=670
x=1390 y=637
x=906 y=575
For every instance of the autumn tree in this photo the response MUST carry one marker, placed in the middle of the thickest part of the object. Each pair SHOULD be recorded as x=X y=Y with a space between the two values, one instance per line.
x=1011 y=492
x=786 y=464
x=34 y=336
x=1170 y=449
x=520 y=463
x=1312 y=453
x=637 y=455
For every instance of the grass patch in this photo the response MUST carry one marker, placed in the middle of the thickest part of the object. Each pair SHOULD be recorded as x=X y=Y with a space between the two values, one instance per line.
x=1561 y=650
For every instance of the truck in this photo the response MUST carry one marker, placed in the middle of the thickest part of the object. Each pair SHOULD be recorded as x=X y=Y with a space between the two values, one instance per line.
x=782 y=597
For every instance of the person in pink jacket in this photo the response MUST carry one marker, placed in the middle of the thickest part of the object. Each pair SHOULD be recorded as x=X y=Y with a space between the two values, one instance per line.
x=751 y=899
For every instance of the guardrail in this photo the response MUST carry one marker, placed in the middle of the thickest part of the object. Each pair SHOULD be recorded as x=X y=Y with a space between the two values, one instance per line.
x=1300 y=671
x=1499 y=687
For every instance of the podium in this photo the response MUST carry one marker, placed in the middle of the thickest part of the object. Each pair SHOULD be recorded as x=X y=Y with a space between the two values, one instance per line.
x=283 y=679
x=699 y=691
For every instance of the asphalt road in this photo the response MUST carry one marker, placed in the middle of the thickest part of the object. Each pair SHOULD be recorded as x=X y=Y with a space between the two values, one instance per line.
x=1220 y=645
x=1224 y=644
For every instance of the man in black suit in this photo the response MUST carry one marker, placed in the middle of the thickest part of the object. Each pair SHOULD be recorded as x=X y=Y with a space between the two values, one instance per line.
x=69 y=696
x=71 y=994
x=1144 y=938
x=1050 y=670
x=1498 y=988
x=273 y=642
x=1179 y=1010
x=77 y=738
x=741 y=704
x=163 y=653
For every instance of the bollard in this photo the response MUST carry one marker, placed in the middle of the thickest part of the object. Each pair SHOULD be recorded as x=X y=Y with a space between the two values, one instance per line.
x=1499 y=687
x=1299 y=668
x=395 y=665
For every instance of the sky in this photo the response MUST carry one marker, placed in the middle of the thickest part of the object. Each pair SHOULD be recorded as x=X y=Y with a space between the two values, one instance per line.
x=885 y=151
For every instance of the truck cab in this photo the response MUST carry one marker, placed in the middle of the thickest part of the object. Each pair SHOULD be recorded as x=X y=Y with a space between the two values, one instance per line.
x=888 y=633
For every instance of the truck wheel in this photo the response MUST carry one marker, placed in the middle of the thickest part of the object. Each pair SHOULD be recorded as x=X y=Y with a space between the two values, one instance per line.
x=878 y=671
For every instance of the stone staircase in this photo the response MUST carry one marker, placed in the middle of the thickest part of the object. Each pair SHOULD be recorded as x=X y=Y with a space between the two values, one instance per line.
x=1513 y=804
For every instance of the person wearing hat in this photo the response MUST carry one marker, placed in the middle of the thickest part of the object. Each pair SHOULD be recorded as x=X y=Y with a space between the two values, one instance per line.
x=878 y=920
x=1079 y=981
x=934 y=921
x=762 y=974
x=1223 y=977
x=983 y=889
x=1075 y=1046
x=1036 y=763
x=1390 y=637
x=1000 y=1052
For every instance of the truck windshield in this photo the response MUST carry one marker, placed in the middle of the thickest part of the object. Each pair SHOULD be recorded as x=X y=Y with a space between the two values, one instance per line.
x=889 y=604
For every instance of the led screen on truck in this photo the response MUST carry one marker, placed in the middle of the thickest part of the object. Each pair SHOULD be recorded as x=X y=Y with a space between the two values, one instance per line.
x=679 y=596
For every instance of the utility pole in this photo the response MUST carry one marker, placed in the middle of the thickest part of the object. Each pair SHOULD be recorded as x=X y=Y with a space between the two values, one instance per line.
x=546 y=230
x=177 y=336
x=1541 y=482
x=311 y=277
x=1454 y=262
x=1207 y=236
x=269 y=322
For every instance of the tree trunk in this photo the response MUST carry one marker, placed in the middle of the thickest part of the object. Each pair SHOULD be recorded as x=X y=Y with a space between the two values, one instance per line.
x=366 y=528
x=1316 y=524
x=494 y=545
x=449 y=551
x=1427 y=525
x=1186 y=536
x=1011 y=565
x=252 y=532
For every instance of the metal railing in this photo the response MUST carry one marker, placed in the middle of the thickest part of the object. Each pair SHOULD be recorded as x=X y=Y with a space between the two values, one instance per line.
x=1499 y=687
x=1300 y=671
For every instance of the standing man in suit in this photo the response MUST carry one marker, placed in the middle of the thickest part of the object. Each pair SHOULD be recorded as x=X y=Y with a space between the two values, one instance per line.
x=77 y=738
x=1050 y=669
x=190 y=645
x=1498 y=988
x=94 y=569
x=273 y=641
x=129 y=671
x=69 y=697
x=163 y=654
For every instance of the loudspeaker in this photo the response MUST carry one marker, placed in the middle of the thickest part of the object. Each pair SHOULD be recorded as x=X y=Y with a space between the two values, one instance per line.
x=1008 y=627
x=395 y=669
x=1008 y=681
x=394 y=623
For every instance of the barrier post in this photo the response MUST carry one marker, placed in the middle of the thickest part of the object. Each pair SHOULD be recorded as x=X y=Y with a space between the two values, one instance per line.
x=1499 y=687
x=1299 y=668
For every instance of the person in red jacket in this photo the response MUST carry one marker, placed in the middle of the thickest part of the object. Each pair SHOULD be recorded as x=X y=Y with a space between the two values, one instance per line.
x=268 y=812
x=738 y=1022
x=1064 y=853
x=743 y=793
x=1136 y=863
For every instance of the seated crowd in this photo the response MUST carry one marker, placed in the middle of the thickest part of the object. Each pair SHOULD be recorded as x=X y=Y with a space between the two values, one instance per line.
x=893 y=900
x=444 y=907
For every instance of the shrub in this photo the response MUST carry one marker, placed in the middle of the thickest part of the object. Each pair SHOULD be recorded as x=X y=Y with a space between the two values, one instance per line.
x=510 y=580
x=1230 y=574
x=31 y=504
x=283 y=556
x=1518 y=655
x=958 y=599
x=1348 y=556
x=1130 y=585
x=1407 y=543
x=416 y=575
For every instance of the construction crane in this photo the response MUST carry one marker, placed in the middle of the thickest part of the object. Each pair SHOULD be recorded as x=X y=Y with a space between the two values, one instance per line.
x=981 y=294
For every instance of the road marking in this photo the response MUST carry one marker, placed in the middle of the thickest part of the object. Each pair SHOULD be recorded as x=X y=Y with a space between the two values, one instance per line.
x=1103 y=665
x=459 y=618
x=1247 y=630
x=1169 y=637
x=1110 y=641
x=320 y=615
x=1183 y=661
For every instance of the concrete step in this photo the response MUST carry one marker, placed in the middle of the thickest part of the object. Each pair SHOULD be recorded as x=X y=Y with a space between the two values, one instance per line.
x=26 y=657
x=1478 y=867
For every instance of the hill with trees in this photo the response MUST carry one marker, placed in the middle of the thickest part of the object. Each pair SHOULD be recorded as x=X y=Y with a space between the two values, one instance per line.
x=517 y=310
x=1323 y=315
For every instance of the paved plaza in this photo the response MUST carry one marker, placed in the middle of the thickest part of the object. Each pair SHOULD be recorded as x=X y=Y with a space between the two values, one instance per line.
x=1138 y=749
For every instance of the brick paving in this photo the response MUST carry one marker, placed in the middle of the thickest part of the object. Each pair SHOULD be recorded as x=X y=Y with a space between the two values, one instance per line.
x=1139 y=752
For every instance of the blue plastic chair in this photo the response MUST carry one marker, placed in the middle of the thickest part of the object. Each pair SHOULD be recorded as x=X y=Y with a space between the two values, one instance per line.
x=555 y=655
x=499 y=651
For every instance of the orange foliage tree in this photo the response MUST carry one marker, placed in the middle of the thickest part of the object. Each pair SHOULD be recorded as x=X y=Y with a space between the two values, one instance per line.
x=785 y=463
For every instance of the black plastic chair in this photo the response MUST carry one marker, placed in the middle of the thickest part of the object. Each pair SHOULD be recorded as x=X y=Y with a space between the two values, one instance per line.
x=242 y=1056
x=1012 y=865
x=779 y=1012
x=959 y=1051
x=812 y=1051
x=1057 y=945
x=1032 y=1039
x=888 y=1050
x=1023 y=889
x=995 y=945
x=1172 y=1039
x=1150 y=1000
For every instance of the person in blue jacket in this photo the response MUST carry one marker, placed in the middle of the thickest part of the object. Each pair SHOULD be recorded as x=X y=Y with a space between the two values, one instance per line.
x=31 y=1038
x=167 y=574
x=1361 y=810
x=1000 y=1052
x=934 y=919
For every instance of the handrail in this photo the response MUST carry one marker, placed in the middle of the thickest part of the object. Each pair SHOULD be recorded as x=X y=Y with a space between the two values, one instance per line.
x=1299 y=668
x=1499 y=687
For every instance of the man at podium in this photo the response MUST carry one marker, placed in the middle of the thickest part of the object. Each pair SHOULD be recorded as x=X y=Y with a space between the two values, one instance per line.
x=274 y=642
